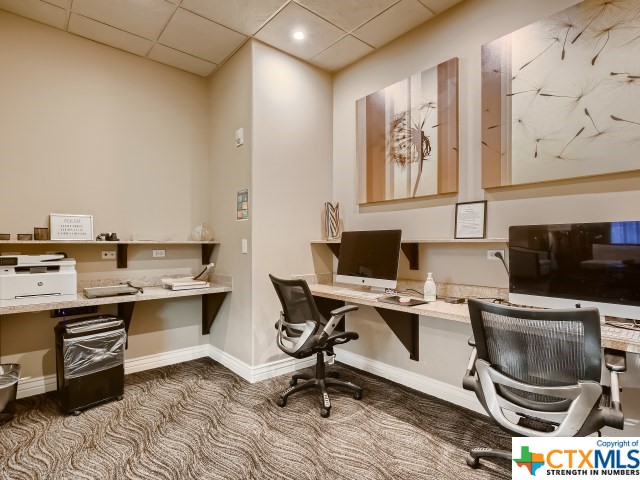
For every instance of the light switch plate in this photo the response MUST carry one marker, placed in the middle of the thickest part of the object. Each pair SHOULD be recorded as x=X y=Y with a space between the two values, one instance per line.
x=239 y=137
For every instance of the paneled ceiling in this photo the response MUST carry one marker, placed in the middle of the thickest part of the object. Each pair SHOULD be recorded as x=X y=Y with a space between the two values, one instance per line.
x=199 y=35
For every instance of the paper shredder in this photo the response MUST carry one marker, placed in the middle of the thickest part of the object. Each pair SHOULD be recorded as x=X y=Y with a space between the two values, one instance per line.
x=9 y=376
x=90 y=361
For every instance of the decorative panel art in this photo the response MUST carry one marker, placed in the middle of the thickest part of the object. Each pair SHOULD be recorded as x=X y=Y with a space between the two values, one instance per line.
x=561 y=97
x=407 y=137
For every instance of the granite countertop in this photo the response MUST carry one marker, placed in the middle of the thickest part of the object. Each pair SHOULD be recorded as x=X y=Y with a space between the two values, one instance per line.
x=612 y=337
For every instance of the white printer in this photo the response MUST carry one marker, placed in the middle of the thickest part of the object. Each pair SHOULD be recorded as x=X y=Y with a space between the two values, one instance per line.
x=28 y=279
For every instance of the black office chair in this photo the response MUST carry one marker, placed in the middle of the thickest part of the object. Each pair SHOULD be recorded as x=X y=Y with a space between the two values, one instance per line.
x=306 y=332
x=544 y=366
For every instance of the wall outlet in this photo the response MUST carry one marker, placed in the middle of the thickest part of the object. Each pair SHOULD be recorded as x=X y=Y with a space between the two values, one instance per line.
x=108 y=254
x=158 y=253
x=491 y=254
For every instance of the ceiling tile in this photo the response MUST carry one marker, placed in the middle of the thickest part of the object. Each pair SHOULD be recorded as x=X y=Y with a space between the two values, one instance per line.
x=439 y=6
x=245 y=16
x=37 y=10
x=345 y=51
x=180 y=60
x=392 y=23
x=192 y=34
x=66 y=4
x=347 y=14
x=145 y=18
x=85 y=27
x=319 y=34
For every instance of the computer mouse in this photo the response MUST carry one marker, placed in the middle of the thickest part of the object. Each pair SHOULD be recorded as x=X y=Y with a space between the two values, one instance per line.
x=404 y=299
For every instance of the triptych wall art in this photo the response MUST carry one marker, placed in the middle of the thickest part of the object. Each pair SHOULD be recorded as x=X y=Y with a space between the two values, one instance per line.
x=407 y=137
x=561 y=97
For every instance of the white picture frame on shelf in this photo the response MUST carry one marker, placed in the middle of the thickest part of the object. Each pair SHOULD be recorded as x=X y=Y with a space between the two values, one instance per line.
x=70 y=227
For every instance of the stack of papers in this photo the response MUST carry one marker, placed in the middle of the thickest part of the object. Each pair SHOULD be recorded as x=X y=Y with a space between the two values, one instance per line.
x=184 y=283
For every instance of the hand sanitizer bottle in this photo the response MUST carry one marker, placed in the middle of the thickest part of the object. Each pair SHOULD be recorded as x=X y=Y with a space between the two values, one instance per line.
x=430 y=288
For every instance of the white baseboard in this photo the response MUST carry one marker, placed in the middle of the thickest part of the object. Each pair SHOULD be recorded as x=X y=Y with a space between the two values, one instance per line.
x=430 y=386
x=445 y=391
x=37 y=385
x=261 y=372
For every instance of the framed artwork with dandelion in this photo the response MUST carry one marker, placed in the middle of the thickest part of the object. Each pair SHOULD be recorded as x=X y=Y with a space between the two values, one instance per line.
x=407 y=137
x=561 y=97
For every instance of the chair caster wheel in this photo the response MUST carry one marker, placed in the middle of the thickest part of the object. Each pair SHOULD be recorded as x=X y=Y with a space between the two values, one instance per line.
x=357 y=395
x=75 y=413
x=293 y=382
x=281 y=402
x=325 y=412
x=120 y=397
x=473 y=462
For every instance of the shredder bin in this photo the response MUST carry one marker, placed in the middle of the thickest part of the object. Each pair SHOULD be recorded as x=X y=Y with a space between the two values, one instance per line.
x=90 y=361
x=9 y=376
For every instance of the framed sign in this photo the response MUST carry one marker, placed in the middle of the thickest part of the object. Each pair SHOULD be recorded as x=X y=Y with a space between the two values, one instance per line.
x=70 y=227
x=471 y=219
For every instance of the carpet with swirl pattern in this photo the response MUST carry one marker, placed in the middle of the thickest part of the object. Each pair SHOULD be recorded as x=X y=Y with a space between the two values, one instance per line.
x=198 y=420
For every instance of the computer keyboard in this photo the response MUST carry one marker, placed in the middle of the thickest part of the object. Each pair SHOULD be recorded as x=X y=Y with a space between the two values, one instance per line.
x=357 y=294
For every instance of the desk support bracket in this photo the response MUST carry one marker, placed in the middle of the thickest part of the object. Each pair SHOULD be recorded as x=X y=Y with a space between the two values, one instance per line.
x=125 y=312
x=121 y=255
x=411 y=251
x=211 y=303
x=405 y=326
x=207 y=250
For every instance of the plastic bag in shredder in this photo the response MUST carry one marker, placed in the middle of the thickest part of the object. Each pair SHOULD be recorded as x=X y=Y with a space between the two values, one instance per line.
x=93 y=353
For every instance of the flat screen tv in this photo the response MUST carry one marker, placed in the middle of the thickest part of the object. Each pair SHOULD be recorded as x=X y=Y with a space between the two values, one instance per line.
x=369 y=258
x=590 y=264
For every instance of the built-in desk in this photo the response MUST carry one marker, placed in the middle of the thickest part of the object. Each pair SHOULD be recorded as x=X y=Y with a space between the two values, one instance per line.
x=212 y=298
x=403 y=320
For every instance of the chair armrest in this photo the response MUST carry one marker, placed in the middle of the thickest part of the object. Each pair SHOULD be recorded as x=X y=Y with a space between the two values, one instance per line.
x=615 y=360
x=336 y=316
x=343 y=310
x=469 y=380
x=340 y=338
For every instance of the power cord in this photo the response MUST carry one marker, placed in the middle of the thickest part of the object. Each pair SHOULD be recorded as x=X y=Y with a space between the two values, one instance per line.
x=501 y=257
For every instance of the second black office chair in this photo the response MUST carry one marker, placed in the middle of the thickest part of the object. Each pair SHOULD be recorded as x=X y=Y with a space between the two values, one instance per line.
x=302 y=332
x=537 y=372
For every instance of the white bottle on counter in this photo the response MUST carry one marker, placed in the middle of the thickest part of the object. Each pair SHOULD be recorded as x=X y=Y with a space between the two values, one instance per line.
x=429 y=290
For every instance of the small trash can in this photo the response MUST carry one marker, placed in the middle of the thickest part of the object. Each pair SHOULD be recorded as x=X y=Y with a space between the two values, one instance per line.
x=9 y=376
x=90 y=361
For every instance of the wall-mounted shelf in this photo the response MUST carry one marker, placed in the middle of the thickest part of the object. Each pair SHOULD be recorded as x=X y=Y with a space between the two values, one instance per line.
x=121 y=246
x=411 y=247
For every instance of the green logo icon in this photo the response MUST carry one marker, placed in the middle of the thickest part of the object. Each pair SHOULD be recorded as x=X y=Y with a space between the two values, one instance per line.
x=533 y=461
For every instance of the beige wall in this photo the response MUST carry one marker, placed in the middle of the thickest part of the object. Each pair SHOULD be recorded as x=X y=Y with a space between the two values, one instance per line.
x=230 y=100
x=457 y=33
x=90 y=129
x=291 y=179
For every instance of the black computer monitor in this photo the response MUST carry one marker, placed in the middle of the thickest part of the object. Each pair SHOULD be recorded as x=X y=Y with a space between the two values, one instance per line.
x=369 y=257
x=591 y=264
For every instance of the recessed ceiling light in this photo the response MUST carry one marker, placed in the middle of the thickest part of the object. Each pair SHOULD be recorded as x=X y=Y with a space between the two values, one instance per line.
x=298 y=35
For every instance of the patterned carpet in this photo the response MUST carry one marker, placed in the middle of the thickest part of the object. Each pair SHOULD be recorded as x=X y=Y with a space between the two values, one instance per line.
x=198 y=420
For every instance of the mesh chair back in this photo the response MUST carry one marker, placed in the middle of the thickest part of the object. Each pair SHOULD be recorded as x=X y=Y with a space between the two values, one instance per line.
x=297 y=302
x=537 y=346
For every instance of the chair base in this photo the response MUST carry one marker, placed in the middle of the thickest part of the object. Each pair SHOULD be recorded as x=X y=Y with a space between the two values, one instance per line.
x=473 y=460
x=320 y=381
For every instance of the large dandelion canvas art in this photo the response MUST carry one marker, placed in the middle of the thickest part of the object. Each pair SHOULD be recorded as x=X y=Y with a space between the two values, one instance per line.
x=561 y=97
x=407 y=137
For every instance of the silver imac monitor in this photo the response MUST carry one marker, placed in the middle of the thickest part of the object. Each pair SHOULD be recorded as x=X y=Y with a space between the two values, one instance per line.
x=369 y=258
x=590 y=264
